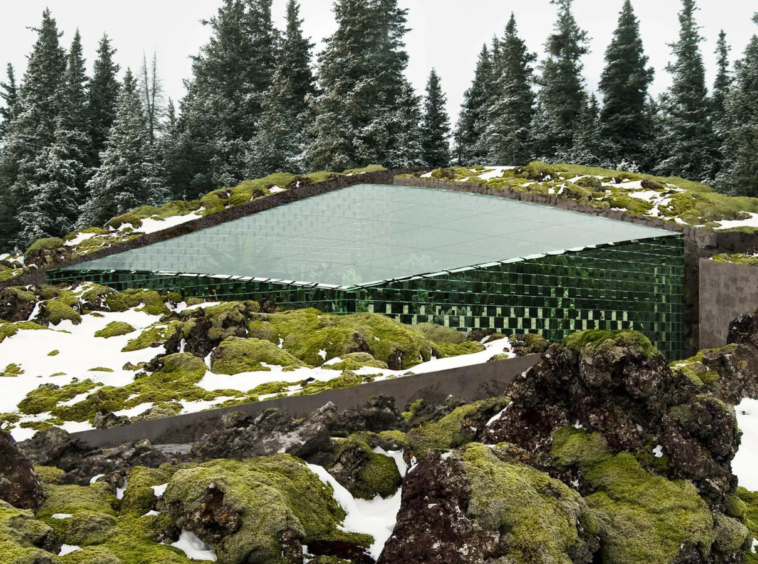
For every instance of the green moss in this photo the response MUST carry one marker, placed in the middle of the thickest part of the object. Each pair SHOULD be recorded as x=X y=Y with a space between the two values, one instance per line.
x=94 y=498
x=91 y=555
x=129 y=218
x=377 y=474
x=213 y=203
x=594 y=338
x=11 y=371
x=46 y=397
x=441 y=334
x=541 y=515
x=730 y=534
x=369 y=168
x=356 y=361
x=53 y=353
x=643 y=517
x=152 y=336
x=20 y=534
x=100 y=369
x=45 y=245
x=49 y=474
x=139 y=496
x=536 y=343
x=151 y=301
x=273 y=494
x=448 y=349
x=696 y=371
x=414 y=409
x=8 y=330
x=236 y=355
x=102 y=298
x=742 y=260
x=115 y=329
x=225 y=318
x=58 y=310
x=347 y=379
x=455 y=429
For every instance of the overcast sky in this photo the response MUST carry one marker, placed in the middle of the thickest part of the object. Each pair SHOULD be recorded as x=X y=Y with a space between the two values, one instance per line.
x=446 y=34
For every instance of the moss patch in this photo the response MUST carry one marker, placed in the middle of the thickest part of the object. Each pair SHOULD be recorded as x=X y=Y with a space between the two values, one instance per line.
x=236 y=355
x=115 y=329
x=151 y=337
x=8 y=330
x=363 y=472
x=11 y=371
x=20 y=535
x=594 y=338
x=642 y=517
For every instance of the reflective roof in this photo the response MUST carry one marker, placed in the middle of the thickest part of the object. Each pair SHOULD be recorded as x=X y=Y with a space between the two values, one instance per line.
x=374 y=232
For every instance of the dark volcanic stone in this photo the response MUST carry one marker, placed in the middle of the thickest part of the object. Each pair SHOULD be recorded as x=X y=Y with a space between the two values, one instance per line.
x=379 y=414
x=19 y=485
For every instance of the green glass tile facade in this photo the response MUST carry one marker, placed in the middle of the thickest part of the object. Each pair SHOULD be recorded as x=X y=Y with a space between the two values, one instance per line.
x=632 y=285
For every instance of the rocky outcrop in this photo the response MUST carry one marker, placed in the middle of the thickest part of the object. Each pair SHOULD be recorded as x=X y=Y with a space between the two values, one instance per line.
x=619 y=385
x=363 y=472
x=19 y=484
x=481 y=505
x=81 y=462
x=16 y=304
x=379 y=414
x=241 y=436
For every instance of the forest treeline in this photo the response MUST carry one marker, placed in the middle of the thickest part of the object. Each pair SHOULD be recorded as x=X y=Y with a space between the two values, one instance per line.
x=76 y=150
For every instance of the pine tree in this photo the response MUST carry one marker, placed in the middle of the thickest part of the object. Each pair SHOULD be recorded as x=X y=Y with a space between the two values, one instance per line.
x=280 y=138
x=688 y=135
x=721 y=87
x=739 y=175
x=562 y=97
x=409 y=147
x=103 y=97
x=586 y=146
x=624 y=128
x=129 y=176
x=73 y=139
x=435 y=125
x=361 y=75
x=507 y=136
x=34 y=127
x=151 y=91
x=225 y=97
x=9 y=96
x=468 y=149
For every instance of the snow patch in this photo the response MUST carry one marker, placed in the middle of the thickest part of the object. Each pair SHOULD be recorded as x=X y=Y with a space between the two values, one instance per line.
x=194 y=548
x=658 y=451
x=68 y=549
x=62 y=516
x=746 y=460
x=752 y=221
x=159 y=490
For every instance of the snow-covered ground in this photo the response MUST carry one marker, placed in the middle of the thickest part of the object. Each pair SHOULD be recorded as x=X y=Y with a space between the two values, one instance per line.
x=752 y=221
x=745 y=464
x=79 y=351
x=154 y=225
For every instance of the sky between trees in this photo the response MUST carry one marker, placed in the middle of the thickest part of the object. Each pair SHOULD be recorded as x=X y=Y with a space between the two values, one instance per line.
x=446 y=34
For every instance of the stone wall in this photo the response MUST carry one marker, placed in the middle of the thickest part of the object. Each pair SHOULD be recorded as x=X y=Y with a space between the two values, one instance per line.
x=470 y=383
x=727 y=291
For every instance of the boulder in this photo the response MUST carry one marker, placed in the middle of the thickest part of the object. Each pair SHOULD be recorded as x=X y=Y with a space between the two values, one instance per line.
x=16 y=304
x=23 y=539
x=378 y=414
x=363 y=472
x=19 y=484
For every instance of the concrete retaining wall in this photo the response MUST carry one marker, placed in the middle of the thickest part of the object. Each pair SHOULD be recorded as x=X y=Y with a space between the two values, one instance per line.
x=470 y=383
x=727 y=291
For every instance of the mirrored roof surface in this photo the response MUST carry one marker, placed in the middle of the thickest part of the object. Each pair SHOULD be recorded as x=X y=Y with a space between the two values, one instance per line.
x=373 y=232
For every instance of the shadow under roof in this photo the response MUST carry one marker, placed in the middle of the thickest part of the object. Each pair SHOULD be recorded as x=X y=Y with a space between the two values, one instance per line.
x=373 y=232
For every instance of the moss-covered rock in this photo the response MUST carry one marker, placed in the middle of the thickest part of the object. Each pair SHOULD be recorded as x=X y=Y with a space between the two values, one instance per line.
x=152 y=337
x=363 y=472
x=139 y=496
x=595 y=338
x=642 y=517
x=49 y=474
x=47 y=396
x=356 y=361
x=11 y=371
x=441 y=334
x=459 y=428
x=115 y=329
x=151 y=301
x=23 y=539
x=57 y=310
x=235 y=355
x=8 y=330
x=256 y=511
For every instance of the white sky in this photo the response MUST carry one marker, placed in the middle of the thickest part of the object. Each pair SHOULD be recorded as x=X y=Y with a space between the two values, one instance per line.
x=446 y=34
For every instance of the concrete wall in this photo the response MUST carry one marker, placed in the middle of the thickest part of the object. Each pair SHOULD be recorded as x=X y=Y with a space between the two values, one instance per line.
x=726 y=292
x=470 y=383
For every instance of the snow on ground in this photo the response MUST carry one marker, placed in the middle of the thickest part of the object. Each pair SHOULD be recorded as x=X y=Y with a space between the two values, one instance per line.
x=752 y=221
x=150 y=225
x=80 y=238
x=194 y=548
x=496 y=172
x=68 y=549
x=745 y=462
x=376 y=517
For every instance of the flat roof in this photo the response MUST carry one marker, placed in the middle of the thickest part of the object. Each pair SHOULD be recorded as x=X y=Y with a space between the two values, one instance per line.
x=370 y=233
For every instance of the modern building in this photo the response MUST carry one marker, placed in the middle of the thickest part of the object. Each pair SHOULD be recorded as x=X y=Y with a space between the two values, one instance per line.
x=426 y=255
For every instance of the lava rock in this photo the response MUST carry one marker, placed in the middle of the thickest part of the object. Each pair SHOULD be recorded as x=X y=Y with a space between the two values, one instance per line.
x=19 y=485
x=16 y=304
x=379 y=414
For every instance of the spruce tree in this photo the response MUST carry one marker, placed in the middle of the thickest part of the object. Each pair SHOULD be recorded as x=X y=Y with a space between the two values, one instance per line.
x=73 y=138
x=688 y=134
x=361 y=75
x=409 y=147
x=624 y=128
x=129 y=176
x=739 y=174
x=224 y=100
x=435 y=125
x=562 y=96
x=280 y=138
x=151 y=89
x=9 y=96
x=586 y=146
x=468 y=149
x=507 y=136
x=34 y=127
x=721 y=88
x=103 y=97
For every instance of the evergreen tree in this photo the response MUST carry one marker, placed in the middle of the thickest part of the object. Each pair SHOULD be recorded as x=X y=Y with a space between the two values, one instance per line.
x=507 y=136
x=721 y=88
x=688 y=135
x=361 y=75
x=468 y=149
x=34 y=127
x=103 y=97
x=624 y=128
x=225 y=96
x=129 y=176
x=409 y=147
x=72 y=139
x=9 y=96
x=435 y=125
x=562 y=97
x=739 y=175
x=280 y=138
x=151 y=88
x=586 y=146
